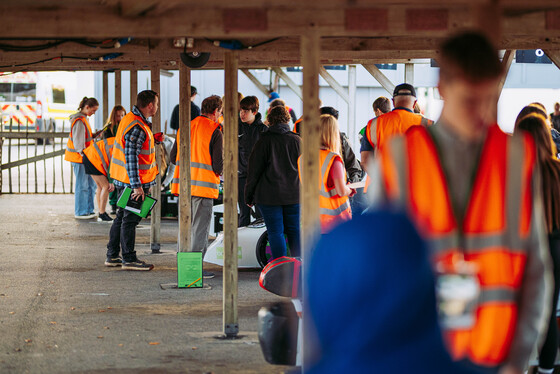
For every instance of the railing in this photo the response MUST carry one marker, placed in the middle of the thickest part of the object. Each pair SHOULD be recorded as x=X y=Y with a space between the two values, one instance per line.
x=33 y=162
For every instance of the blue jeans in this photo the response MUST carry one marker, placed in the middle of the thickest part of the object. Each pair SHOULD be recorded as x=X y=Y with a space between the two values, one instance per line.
x=84 y=191
x=280 y=220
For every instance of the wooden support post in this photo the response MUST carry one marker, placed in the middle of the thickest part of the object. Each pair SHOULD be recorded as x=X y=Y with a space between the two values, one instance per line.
x=291 y=84
x=334 y=84
x=380 y=77
x=133 y=87
x=309 y=190
x=230 y=321
x=352 y=132
x=554 y=56
x=184 y=149
x=409 y=73
x=155 y=241
x=506 y=62
x=255 y=81
x=118 y=88
x=105 y=96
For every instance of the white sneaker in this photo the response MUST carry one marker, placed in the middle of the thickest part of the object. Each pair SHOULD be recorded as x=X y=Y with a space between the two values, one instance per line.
x=86 y=216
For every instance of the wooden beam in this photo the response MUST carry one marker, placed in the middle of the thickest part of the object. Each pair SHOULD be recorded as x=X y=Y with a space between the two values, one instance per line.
x=185 y=214
x=334 y=84
x=155 y=237
x=506 y=62
x=380 y=77
x=159 y=20
x=105 y=96
x=231 y=114
x=554 y=56
x=309 y=191
x=352 y=131
x=255 y=81
x=133 y=87
x=291 y=84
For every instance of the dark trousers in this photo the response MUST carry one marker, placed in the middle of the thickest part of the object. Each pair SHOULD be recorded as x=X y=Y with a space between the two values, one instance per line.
x=280 y=220
x=123 y=233
x=244 y=210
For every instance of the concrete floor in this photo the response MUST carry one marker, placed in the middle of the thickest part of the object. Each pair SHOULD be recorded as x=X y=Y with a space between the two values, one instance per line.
x=63 y=311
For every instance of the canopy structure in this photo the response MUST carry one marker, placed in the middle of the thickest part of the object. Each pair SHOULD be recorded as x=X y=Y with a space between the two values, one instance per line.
x=116 y=35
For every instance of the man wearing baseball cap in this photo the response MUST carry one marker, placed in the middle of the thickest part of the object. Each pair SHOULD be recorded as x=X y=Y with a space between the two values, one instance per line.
x=395 y=122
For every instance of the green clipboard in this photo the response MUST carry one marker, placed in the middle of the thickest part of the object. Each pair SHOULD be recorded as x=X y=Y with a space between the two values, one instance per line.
x=141 y=208
x=189 y=269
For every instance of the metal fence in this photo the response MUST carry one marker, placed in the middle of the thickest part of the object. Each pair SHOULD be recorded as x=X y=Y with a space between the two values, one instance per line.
x=33 y=162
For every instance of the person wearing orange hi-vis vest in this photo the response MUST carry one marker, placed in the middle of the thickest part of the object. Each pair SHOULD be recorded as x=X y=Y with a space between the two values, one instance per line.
x=81 y=137
x=474 y=193
x=96 y=160
x=133 y=165
x=207 y=162
x=333 y=192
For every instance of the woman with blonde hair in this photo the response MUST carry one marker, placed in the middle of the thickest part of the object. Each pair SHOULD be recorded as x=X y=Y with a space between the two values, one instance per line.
x=536 y=124
x=334 y=193
x=112 y=124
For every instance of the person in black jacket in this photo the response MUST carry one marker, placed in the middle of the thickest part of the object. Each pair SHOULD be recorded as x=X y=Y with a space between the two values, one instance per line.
x=273 y=182
x=250 y=129
x=195 y=111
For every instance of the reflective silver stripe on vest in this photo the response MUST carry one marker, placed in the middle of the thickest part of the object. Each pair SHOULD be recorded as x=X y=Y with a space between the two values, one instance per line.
x=118 y=162
x=148 y=152
x=324 y=169
x=205 y=184
x=146 y=167
x=119 y=147
x=175 y=180
x=475 y=243
x=328 y=194
x=513 y=188
x=71 y=150
x=336 y=211
x=100 y=154
x=498 y=294
x=398 y=151
x=200 y=165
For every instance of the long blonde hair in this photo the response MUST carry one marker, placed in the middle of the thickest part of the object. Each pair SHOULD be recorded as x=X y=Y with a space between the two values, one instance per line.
x=112 y=117
x=330 y=134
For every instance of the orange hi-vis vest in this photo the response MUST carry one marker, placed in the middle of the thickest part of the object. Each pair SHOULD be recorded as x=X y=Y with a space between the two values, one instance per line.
x=71 y=154
x=333 y=209
x=204 y=182
x=147 y=167
x=493 y=234
x=99 y=154
x=396 y=122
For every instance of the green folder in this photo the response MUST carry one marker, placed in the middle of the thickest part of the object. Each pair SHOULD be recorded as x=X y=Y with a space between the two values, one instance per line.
x=141 y=208
x=189 y=269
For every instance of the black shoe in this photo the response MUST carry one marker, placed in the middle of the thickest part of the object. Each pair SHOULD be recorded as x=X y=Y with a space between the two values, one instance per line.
x=137 y=265
x=104 y=217
x=207 y=274
x=112 y=262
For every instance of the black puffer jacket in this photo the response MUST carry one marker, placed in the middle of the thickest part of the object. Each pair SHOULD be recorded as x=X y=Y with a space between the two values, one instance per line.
x=272 y=174
x=248 y=137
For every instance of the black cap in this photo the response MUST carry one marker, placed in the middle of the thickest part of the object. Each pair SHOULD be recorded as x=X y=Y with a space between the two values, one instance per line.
x=193 y=91
x=404 y=89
